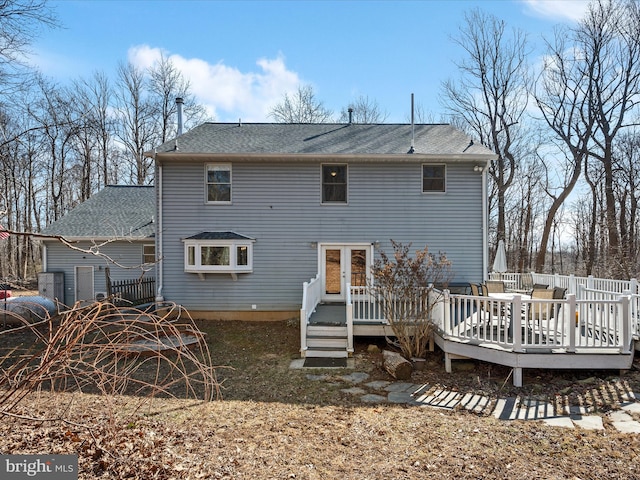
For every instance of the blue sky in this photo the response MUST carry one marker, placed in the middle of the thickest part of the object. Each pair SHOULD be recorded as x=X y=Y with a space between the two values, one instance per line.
x=242 y=56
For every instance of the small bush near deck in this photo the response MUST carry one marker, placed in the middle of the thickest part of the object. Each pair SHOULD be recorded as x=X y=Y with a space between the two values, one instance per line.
x=405 y=287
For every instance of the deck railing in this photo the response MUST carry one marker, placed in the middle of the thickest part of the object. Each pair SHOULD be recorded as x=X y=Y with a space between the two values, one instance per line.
x=524 y=324
x=368 y=305
x=571 y=282
x=585 y=288
x=311 y=295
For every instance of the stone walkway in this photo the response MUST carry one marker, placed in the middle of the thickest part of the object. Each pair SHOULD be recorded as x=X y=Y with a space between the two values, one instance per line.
x=512 y=408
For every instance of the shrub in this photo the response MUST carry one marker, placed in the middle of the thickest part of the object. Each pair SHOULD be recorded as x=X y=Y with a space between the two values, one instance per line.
x=404 y=285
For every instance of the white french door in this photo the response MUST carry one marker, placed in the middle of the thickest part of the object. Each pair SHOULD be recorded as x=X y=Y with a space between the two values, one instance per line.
x=342 y=264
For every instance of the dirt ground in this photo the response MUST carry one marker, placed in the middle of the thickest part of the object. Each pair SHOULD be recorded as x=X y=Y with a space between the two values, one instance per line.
x=274 y=422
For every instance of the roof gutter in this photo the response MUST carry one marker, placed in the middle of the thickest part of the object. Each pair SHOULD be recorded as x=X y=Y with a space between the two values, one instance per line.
x=361 y=158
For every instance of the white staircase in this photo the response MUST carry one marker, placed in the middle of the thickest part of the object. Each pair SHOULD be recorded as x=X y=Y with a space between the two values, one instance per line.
x=328 y=341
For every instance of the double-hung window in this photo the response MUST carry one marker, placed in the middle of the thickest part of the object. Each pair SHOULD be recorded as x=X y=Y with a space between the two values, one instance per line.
x=218 y=252
x=334 y=183
x=433 y=178
x=148 y=253
x=218 y=182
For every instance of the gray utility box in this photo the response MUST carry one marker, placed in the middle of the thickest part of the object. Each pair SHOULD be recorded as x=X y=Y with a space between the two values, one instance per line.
x=51 y=285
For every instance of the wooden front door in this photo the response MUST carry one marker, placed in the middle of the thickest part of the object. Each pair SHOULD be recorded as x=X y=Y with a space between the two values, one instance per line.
x=342 y=265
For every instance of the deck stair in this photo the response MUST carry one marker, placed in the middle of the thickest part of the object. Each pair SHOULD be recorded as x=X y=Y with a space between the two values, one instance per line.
x=328 y=341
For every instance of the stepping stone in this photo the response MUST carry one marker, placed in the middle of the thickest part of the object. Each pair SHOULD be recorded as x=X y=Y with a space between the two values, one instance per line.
x=315 y=378
x=632 y=407
x=401 y=397
x=576 y=410
x=588 y=422
x=623 y=422
x=619 y=416
x=355 y=377
x=401 y=387
x=353 y=391
x=564 y=422
x=372 y=398
x=627 y=427
x=474 y=403
x=377 y=385
x=421 y=390
x=442 y=399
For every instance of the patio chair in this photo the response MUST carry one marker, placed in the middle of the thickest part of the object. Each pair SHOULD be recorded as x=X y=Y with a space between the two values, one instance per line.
x=526 y=282
x=559 y=292
x=495 y=286
x=539 y=286
x=540 y=311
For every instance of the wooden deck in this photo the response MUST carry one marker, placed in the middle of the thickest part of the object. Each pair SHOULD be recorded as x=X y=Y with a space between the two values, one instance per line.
x=590 y=329
x=329 y=314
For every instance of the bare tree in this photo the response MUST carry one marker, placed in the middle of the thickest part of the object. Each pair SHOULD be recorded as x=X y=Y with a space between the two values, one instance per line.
x=627 y=162
x=20 y=23
x=491 y=95
x=363 y=110
x=610 y=37
x=589 y=86
x=94 y=97
x=301 y=107
x=136 y=121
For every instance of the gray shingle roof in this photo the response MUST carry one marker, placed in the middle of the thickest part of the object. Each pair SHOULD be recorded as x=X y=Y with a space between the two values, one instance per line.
x=218 y=236
x=115 y=211
x=324 y=139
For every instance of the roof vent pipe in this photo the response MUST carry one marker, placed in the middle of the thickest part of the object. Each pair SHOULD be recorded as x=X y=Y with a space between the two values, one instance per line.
x=350 y=110
x=412 y=149
x=179 y=103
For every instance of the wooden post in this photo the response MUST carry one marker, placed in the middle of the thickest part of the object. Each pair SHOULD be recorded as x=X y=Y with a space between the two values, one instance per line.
x=573 y=325
x=517 y=376
x=626 y=323
x=516 y=322
x=107 y=279
x=349 y=315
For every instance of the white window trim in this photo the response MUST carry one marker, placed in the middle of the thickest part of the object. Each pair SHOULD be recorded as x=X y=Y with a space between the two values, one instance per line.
x=145 y=245
x=322 y=202
x=206 y=183
x=431 y=192
x=233 y=266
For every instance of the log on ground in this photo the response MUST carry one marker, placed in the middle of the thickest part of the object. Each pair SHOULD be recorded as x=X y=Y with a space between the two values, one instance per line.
x=396 y=365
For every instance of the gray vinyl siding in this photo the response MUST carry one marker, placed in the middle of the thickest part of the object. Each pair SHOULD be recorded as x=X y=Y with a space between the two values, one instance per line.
x=64 y=259
x=279 y=204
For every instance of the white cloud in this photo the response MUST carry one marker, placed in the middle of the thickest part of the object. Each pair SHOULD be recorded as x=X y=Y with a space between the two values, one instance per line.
x=572 y=10
x=227 y=92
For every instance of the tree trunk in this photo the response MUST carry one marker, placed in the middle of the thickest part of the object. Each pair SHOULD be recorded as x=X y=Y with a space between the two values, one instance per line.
x=396 y=365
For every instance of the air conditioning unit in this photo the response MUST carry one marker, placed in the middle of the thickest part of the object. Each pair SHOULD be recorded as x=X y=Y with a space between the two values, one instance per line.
x=101 y=296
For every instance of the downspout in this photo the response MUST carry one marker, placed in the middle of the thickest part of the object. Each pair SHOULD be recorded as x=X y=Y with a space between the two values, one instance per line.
x=159 y=254
x=44 y=257
x=485 y=224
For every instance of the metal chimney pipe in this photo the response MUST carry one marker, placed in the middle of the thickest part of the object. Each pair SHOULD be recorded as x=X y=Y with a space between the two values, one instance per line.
x=350 y=110
x=179 y=103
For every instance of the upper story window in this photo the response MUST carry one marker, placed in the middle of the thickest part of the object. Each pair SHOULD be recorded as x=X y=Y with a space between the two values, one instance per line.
x=334 y=184
x=218 y=180
x=148 y=253
x=433 y=178
x=218 y=252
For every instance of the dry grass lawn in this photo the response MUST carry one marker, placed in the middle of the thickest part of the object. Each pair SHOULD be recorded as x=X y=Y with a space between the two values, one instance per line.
x=276 y=423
